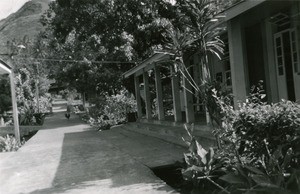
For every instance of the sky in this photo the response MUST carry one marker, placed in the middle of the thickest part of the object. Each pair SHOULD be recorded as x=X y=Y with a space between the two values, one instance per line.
x=10 y=6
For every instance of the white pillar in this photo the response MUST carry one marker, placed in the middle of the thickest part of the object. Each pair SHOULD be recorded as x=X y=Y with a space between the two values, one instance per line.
x=14 y=105
x=238 y=64
x=269 y=62
x=188 y=99
x=138 y=96
x=159 y=94
x=176 y=96
x=147 y=95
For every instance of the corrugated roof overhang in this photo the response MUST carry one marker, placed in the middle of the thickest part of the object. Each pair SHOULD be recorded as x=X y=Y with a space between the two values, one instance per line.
x=148 y=64
x=240 y=8
x=4 y=68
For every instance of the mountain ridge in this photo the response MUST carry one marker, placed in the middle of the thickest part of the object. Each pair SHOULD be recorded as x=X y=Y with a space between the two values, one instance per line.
x=24 y=22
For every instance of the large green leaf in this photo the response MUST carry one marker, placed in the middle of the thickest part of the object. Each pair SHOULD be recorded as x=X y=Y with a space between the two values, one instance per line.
x=209 y=156
x=263 y=180
x=233 y=178
x=287 y=158
x=253 y=169
x=201 y=152
x=189 y=173
x=188 y=158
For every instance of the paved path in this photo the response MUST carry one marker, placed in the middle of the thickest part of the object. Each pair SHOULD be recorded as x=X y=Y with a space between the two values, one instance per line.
x=67 y=156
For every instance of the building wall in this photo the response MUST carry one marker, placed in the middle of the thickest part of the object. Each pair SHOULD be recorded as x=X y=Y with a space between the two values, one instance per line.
x=251 y=43
x=252 y=50
x=295 y=12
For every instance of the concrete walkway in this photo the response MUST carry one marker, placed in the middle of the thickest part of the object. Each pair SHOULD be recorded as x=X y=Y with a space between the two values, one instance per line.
x=67 y=156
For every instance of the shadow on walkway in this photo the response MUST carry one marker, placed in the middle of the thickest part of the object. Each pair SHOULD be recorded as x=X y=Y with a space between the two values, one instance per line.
x=90 y=164
x=68 y=156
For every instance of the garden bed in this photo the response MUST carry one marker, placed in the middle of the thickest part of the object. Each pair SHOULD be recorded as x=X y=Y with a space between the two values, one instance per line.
x=29 y=135
x=8 y=143
x=171 y=174
x=24 y=130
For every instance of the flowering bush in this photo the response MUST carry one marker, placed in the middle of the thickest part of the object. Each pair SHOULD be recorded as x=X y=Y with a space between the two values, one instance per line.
x=26 y=116
x=112 y=110
x=9 y=144
x=44 y=103
x=259 y=141
x=277 y=124
x=102 y=122
x=118 y=105
x=30 y=113
x=255 y=121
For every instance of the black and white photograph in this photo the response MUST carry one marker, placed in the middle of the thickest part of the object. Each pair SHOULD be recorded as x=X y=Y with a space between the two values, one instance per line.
x=149 y=96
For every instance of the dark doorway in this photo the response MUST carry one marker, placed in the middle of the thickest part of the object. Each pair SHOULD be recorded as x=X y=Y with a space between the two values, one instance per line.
x=286 y=39
x=255 y=58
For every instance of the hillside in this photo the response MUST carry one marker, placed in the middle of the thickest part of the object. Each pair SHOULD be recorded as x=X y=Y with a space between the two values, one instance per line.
x=25 y=22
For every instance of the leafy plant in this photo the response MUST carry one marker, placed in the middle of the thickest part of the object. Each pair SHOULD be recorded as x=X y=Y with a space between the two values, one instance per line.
x=26 y=114
x=259 y=141
x=112 y=110
x=277 y=124
x=39 y=118
x=44 y=103
x=9 y=143
x=272 y=177
x=102 y=122
x=202 y=167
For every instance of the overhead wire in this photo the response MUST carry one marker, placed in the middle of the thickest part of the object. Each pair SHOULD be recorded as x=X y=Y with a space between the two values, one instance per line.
x=76 y=61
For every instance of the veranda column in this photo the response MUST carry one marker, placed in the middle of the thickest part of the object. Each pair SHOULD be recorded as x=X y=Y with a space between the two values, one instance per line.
x=188 y=100
x=138 y=96
x=14 y=104
x=147 y=95
x=159 y=94
x=238 y=65
x=269 y=61
x=176 y=96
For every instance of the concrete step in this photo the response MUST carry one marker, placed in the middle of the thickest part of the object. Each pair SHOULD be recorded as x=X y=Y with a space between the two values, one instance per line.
x=173 y=134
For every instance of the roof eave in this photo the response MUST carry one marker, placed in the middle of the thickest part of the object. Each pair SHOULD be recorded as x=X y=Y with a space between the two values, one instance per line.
x=240 y=8
x=4 y=68
x=156 y=57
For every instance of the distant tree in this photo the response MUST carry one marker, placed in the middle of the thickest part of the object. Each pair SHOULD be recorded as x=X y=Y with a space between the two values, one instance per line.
x=109 y=30
x=115 y=30
x=196 y=34
x=31 y=75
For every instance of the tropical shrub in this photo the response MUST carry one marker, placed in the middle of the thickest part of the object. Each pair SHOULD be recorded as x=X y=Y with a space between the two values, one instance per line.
x=39 y=118
x=121 y=104
x=112 y=110
x=203 y=168
x=9 y=143
x=260 y=143
x=255 y=121
x=102 y=122
x=26 y=116
x=44 y=104
x=276 y=124
x=273 y=177
x=265 y=139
